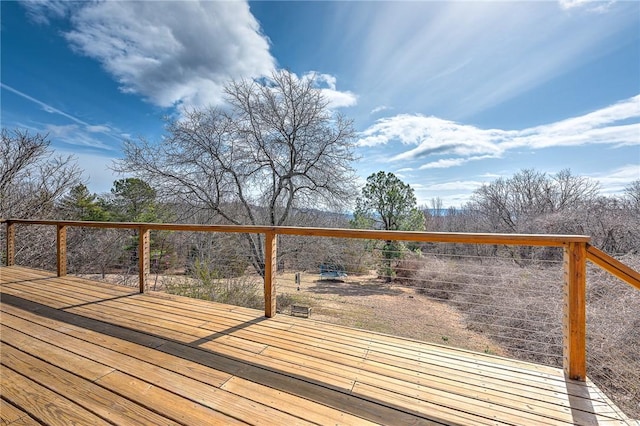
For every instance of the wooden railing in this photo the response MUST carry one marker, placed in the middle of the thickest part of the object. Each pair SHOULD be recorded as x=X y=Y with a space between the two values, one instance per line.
x=576 y=252
x=613 y=266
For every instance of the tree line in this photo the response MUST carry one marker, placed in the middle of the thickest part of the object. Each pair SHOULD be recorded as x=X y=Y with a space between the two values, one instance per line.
x=535 y=202
x=276 y=154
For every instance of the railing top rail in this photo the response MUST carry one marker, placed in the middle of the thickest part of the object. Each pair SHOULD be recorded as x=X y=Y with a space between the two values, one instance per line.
x=441 y=237
x=613 y=266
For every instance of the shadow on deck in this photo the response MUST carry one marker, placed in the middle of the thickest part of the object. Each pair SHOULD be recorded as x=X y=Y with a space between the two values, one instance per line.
x=78 y=350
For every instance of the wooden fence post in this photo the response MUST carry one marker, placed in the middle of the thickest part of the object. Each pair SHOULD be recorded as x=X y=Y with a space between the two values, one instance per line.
x=270 y=268
x=143 y=257
x=61 y=249
x=575 y=319
x=11 y=243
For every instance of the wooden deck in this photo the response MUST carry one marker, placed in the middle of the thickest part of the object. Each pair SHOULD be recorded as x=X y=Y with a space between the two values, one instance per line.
x=79 y=351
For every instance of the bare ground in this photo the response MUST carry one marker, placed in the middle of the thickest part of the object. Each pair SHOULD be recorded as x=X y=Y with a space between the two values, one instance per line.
x=365 y=302
x=369 y=303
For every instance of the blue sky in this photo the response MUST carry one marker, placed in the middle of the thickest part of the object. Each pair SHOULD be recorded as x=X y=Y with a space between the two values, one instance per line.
x=447 y=95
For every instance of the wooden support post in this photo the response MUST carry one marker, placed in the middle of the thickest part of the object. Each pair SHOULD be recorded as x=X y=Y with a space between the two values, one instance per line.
x=11 y=243
x=270 y=268
x=143 y=257
x=61 y=249
x=575 y=318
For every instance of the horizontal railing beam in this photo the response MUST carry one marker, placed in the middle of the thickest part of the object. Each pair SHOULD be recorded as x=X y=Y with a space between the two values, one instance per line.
x=440 y=237
x=576 y=251
x=613 y=266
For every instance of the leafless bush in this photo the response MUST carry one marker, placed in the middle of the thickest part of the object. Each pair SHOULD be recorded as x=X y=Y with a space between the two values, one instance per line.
x=521 y=309
x=518 y=307
x=613 y=336
x=434 y=279
x=407 y=267
x=208 y=284
x=35 y=247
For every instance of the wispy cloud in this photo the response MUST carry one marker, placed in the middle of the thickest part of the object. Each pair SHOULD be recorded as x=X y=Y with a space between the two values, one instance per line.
x=74 y=134
x=78 y=133
x=461 y=58
x=98 y=129
x=466 y=185
x=614 y=181
x=445 y=163
x=42 y=11
x=379 y=109
x=45 y=107
x=591 y=5
x=616 y=125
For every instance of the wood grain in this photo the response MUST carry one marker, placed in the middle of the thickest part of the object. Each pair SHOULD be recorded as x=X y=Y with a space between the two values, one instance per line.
x=197 y=362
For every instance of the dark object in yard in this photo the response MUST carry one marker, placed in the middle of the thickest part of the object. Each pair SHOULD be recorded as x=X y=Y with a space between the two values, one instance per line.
x=331 y=272
x=300 y=311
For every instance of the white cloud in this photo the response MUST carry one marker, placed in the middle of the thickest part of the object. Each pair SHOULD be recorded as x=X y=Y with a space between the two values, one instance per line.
x=339 y=99
x=74 y=134
x=171 y=53
x=614 y=181
x=591 y=5
x=445 y=163
x=467 y=185
x=327 y=85
x=379 y=108
x=615 y=125
x=175 y=53
x=432 y=135
x=98 y=129
x=41 y=11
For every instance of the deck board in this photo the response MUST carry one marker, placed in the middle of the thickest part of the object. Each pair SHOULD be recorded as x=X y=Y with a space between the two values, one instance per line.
x=157 y=356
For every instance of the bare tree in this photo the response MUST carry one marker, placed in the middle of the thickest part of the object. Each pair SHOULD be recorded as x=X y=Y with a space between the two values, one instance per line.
x=632 y=193
x=275 y=148
x=518 y=203
x=31 y=179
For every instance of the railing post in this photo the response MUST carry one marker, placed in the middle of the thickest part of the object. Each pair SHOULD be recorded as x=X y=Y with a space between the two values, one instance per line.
x=143 y=257
x=11 y=243
x=575 y=319
x=61 y=249
x=270 y=268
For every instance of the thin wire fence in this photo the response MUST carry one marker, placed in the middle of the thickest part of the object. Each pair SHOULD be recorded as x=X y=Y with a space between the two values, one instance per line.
x=479 y=302
x=499 y=300
x=35 y=246
x=613 y=336
x=221 y=267
x=106 y=255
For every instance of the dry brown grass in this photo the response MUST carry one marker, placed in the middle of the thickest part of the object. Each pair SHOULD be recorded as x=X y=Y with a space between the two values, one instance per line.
x=366 y=302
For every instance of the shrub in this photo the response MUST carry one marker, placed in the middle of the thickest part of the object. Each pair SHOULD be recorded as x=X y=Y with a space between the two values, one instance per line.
x=210 y=284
